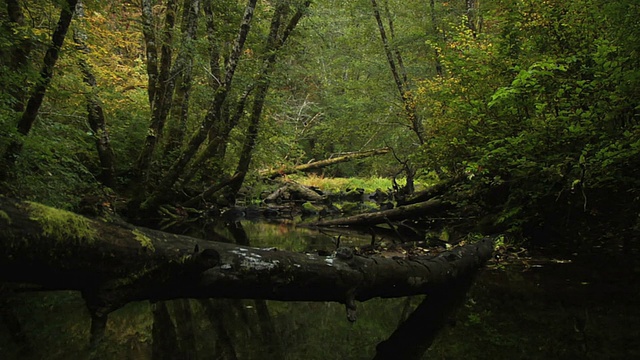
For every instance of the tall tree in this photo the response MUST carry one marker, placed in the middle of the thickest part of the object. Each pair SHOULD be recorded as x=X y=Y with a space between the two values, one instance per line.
x=397 y=71
x=184 y=74
x=94 y=107
x=46 y=74
x=163 y=85
x=278 y=36
x=213 y=116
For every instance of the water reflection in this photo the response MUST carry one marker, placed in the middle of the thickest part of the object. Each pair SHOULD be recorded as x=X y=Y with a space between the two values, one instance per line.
x=558 y=311
x=56 y=325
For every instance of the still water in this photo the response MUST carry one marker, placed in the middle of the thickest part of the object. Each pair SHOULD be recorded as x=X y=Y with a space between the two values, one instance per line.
x=537 y=308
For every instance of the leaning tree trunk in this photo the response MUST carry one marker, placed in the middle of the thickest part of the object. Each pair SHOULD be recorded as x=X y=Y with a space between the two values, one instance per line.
x=278 y=36
x=94 y=108
x=399 y=76
x=214 y=114
x=46 y=74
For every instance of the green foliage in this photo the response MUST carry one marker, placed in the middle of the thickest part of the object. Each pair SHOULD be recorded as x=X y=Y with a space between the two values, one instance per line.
x=556 y=130
x=535 y=106
x=334 y=184
x=53 y=169
x=143 y=239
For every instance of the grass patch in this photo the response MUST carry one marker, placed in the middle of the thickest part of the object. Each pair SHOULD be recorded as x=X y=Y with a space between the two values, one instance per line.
x=369 y=184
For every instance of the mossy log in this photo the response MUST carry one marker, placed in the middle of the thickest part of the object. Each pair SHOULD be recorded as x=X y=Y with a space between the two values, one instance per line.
x=292 y=191
x=379 y=217
x=274 y=173
x=113 y=264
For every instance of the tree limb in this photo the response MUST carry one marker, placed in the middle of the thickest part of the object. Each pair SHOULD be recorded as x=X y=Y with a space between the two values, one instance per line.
x=113 y=264
x=380 y=217
x=323 y=163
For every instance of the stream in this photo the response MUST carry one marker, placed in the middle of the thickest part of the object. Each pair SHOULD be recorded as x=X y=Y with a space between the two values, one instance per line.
x=526 y=306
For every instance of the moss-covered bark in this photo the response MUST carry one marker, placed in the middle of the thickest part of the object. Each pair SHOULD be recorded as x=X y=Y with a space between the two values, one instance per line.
x=113 y=264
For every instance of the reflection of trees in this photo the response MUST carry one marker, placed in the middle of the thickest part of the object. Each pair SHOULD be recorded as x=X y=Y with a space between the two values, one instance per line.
x=416 y=334
x=214 y=309
x=228 y=321
x=165 y=340
x=9 y=320
x=267 y=329
x=185 y=328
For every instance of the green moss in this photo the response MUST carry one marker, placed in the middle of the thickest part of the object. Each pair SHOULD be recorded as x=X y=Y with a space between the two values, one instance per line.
x=62 y=225
x=5 y=217
x=143 y=239
x=309 y=208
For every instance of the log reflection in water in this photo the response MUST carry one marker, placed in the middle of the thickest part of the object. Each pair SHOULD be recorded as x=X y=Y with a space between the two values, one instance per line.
x=165 y=342
x=415 y=335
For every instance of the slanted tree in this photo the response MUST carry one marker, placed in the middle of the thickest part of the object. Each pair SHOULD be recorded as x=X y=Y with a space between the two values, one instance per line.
x=95 y=112
x=32 y=107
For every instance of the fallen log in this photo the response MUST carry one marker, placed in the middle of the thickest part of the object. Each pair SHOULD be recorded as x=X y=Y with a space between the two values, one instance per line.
x=291 y=191
x=271 y=173
x=436 y=190
x=113 y=264
x=384 y=216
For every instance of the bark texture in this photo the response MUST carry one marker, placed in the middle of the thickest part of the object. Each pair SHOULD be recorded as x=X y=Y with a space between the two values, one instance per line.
x=95 y=113
x=113 y=264
x=213 y=116
x=50 y=59
x=163 y=92
x=32 y=108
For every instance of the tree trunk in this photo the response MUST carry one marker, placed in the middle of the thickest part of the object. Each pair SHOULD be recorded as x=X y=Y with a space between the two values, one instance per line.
x=214 y=114
x=381 y=217
x=180 y=109
x=415 y=123
x=19 y=55
x=46 y=74
x=185 y=329
x=436 y=37
x=113 y=264
x=472 y=17
x=293 y=191
x=214 y=311
x=50 y=59
x=272 y=174
x=163 y=96
x=165 y=339
x=277 y=38
x=218 y=138
x=94 y=109
x=149 y=33
x=416 y=334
